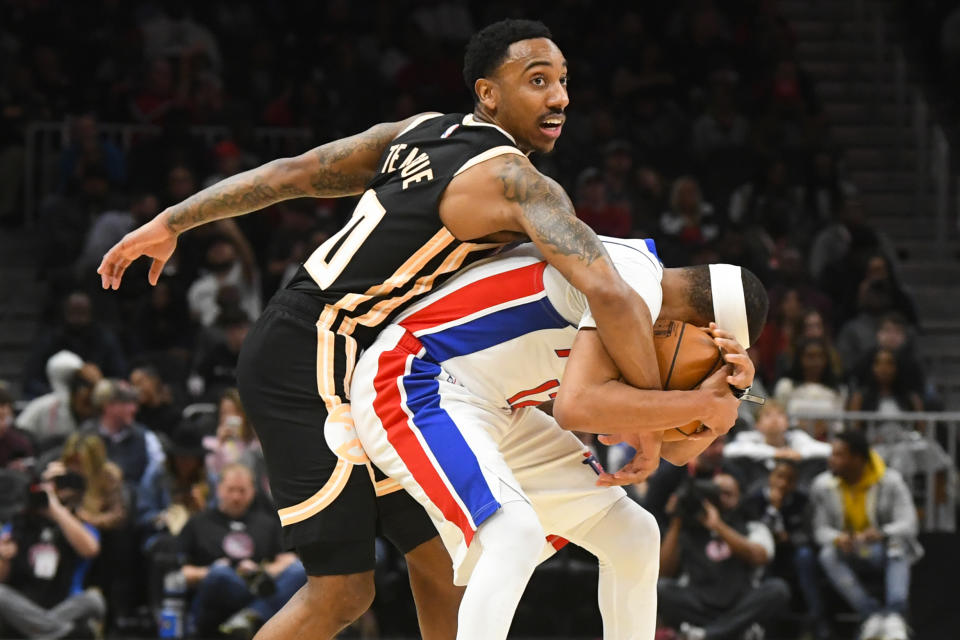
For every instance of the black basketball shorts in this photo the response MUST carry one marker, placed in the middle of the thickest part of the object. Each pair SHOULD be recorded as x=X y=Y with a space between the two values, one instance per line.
x=331 y=500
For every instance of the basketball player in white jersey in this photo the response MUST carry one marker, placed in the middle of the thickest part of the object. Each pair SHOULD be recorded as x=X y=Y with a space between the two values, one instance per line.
x=444 y=402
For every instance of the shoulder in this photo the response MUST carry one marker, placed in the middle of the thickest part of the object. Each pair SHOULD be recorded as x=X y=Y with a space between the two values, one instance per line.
x=824 y=481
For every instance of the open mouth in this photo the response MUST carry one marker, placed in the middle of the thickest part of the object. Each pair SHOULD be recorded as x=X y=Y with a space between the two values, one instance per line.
x=552 y=125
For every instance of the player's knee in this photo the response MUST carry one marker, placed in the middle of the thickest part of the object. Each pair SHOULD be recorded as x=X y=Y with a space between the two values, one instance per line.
x=643 y=525
x=342 y=599
x=516 y=531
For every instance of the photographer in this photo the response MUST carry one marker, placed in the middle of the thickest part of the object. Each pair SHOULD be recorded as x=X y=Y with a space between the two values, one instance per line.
x=710 y=559
x=44 y=558
x=235 y=561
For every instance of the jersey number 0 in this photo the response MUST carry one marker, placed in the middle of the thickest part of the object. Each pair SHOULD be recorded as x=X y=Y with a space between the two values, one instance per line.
x=367 y=215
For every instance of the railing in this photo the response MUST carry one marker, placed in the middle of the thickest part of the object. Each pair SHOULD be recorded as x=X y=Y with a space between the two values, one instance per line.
x=45 y=141
x=930 y=434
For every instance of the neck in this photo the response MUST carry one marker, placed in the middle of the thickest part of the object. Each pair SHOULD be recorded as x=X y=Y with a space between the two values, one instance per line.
x=676 y=305
x=853 y=477
x=482 y=114
x=776 y=439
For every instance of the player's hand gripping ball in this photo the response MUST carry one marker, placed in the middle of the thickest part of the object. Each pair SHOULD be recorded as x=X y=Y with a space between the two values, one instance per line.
x=687 y=355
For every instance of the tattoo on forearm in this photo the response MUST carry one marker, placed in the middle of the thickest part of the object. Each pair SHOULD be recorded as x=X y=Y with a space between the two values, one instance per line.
x=240 y=194
x=250 y=191
x=549 y=210
x=330 y=179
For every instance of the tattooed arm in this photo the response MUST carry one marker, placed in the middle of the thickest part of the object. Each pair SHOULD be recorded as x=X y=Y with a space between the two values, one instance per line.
x=339 y=168
x=507 y=193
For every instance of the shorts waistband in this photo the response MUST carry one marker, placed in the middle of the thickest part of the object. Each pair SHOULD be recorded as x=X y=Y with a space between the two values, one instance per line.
x=300 y=302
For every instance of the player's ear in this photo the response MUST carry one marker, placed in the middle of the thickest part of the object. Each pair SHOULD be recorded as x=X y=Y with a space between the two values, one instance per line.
x=488 y=93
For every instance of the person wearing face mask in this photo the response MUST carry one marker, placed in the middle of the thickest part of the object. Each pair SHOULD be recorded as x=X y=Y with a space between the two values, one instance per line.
x=230 y=274
x=45 y=554
x=78 y=333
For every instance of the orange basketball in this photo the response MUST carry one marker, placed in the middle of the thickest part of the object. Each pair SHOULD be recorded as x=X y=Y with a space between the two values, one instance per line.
x=687 y=355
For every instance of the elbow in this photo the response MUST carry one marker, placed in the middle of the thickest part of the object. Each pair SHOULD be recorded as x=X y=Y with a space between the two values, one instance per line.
x=89 y=550
x=568 y=410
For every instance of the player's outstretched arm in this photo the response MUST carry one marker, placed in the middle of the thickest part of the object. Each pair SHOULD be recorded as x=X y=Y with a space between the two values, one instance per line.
x=507 y=193
x=339 y=168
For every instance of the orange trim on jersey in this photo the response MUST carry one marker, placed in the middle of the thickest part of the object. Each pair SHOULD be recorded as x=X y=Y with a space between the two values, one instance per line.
x=326 y=386
x=384 y=308
x=387 y=486
x=318 y=501
x=351 y=353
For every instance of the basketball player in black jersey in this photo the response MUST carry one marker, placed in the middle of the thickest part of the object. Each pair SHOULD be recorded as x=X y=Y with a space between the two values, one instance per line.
x=438 y=191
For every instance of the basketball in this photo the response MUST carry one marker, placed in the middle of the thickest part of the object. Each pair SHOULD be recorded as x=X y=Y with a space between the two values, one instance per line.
x=686 y=355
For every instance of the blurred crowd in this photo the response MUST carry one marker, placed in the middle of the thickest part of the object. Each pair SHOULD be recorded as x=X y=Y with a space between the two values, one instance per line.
x=691 y=123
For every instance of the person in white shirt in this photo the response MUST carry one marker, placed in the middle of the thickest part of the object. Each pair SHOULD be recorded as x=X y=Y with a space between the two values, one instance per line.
x=772 y=439
x=444 y=403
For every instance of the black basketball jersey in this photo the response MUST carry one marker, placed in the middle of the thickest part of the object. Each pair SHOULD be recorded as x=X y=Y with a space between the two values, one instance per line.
x=395 y=248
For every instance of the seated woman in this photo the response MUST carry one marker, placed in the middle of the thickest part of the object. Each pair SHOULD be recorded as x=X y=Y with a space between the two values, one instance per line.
x=104 y=504
x=810 y=387
x=235 y=441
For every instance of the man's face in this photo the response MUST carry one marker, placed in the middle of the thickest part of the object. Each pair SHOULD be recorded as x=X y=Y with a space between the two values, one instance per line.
x=235 y=493
x=784 y=478
x=530 y=93
x=729 y=491
x=840 y=460
x=772 y=423
x=120 y=412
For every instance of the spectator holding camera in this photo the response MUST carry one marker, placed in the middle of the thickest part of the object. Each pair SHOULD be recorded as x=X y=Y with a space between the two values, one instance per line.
x=710 y=559
x=44 y=558
x=784 y=508
x=866 y=525
x=103 y=503
x=235 y=561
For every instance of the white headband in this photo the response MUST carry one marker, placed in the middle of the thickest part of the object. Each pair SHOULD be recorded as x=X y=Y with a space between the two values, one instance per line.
x=729 y=304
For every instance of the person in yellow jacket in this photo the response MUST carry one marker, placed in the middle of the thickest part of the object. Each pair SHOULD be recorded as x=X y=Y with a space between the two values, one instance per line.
x=866 y=524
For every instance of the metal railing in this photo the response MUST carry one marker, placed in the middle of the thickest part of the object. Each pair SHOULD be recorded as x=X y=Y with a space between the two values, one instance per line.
x=45 y=142
x=932 y=436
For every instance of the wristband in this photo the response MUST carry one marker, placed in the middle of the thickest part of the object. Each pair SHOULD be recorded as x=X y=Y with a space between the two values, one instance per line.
x=744 y=395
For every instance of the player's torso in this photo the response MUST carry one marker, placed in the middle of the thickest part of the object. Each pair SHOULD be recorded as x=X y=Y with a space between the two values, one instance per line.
x=494 y=328
x=394 y=247
x=504 y=327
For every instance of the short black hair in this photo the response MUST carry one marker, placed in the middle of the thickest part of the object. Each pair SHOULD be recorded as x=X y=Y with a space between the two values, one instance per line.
x=6 y=397
x=700 y=295
x=488 y=47
x=856 y=442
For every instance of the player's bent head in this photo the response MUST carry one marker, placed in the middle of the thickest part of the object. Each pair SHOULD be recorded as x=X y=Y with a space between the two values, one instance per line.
x=729 y=295
x=488 y=48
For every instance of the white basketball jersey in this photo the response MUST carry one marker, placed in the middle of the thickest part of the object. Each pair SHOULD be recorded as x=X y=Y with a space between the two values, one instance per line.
x=504 y=327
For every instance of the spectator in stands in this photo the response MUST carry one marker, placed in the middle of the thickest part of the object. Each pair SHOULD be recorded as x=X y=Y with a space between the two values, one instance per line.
x=161 y=325
x=110 y=227
x=55 y=415
x=77 y=333
x=217 y=364
x=235 y=441
x=858 y=335
x=158 y=409
x=14 y=445
x=778 y=334
x=885 y=388
x=783 y=508
x=228 y=550
x=824 y=189
x=866 y=524
x=87 y=147
x=772 y=440
x=131 y=446
x=103 y=503
x=45 y=555
x=663 y=482
x=690 y=223
x=769 y=204
x=605 y=216
x=810 y=386
x=230 y=263
x=177 y=490
x=721 y=551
